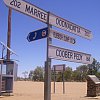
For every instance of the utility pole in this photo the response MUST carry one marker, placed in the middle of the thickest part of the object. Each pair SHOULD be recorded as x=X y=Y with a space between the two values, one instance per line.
x=9 y=33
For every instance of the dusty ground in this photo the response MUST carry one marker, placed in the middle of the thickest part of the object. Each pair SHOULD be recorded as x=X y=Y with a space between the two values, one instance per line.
x=34 y=91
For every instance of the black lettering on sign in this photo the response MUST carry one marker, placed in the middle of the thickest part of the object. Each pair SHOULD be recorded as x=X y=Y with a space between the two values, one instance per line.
x=67 y=25
x=64 y=54
x=15 y=3
x=77 y=56
x=36 y=12
x=87 y=58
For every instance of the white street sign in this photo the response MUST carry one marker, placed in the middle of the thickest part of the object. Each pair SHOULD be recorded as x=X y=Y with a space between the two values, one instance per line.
x=61 y=36
x=69 y=26
x=28 y=9
x=69 y=55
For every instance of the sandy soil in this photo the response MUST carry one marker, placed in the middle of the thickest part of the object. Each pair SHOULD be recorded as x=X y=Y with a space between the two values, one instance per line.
x=35 y=91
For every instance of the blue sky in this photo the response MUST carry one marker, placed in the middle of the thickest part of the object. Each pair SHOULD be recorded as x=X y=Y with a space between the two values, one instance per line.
x=82 y=12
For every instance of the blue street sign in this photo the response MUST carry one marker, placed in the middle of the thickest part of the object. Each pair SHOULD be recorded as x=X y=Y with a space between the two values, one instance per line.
x=38 y=34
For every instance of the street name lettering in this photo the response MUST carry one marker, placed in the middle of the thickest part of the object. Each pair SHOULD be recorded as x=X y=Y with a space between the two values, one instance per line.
x=69 y=26
x=36 y=12
x=28 y=9
x=61 y=36
x=69 y=55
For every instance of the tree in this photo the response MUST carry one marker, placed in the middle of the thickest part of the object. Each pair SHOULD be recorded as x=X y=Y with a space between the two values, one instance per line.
x=25 y=75
x=80 y=73
x=68 y=74
x=31 y=73
x=38 y=74
x=76 y=76
x=94 y=68
x=59 y=77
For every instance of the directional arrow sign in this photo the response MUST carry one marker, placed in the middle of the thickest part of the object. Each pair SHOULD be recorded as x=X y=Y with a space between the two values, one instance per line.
x=38 y=34
x=69 y=26
x=69 y=55
x=28 y=9
x=61 y=36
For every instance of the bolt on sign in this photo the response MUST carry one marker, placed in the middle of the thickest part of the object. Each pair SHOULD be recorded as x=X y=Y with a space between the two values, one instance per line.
x=28 y=9
x=69 y=26
x=69 y=55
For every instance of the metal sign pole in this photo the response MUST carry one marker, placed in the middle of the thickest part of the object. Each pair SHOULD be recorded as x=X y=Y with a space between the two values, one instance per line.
x=1 y=77
x=47 y=84
x=54 y=78
x=63 y=79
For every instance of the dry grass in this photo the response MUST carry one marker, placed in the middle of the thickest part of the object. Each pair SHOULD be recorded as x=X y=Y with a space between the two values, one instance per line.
x=35 y=91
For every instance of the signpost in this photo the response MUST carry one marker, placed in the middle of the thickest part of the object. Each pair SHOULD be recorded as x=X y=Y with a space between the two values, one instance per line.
x=61 y=36
x=69 y=55
x=47 y=79
x=52 y=51
x=69 y=26
x=28 y=9
x=38 y=34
